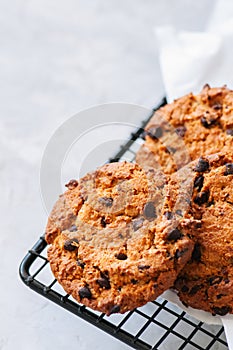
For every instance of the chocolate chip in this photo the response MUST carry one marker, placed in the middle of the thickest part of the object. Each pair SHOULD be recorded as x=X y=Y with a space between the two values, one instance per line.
x=174 y=235
x=180 y=253
x=137 y=223
x=229 y=169
x=202 y=198
x=168 y=215
x=133 y=281
x=222 y=311
x=207 y=123
x=114 y=309
x=195 y=289
x=206 y=86
x=202 y=165
x=185 y=289
x=219 y=296
x=217 y=106
x=214 y=280
x=179 y=212
x=229 y=132
x=81 y=263
x=71 y=244
x=73 y=228
x=155 y=132
x=107 y=201
x=103 y=282
x=198 y=182
x=198 y=225
x=181 y=130
x=143 y=267
x=185 y=304
x=196 y=255
x=149 y=211
x=72 y=184
x=103 y=222
x=84 y=292
x=121 y=256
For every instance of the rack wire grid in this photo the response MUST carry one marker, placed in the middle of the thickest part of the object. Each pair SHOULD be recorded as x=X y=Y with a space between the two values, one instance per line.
x=156 y=325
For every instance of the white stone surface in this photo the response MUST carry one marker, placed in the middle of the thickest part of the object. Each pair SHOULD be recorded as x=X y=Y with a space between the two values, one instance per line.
x=56 y=58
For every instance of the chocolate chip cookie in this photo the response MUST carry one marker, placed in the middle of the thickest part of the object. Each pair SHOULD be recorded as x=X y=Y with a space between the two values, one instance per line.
x=191 y=126
x=206 y=282
x=115 y=239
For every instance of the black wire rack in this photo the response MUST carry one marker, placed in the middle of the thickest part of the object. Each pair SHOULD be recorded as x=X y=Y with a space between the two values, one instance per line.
x=157 y=325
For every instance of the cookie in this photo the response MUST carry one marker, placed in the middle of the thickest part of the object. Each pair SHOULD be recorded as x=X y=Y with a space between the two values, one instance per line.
x=115 y=239
x=191 y=126
x=206 y=282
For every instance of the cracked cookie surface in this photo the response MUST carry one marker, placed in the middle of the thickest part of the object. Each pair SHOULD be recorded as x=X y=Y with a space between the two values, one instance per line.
x=206 y=282
x=191 y=126
x=115 y=240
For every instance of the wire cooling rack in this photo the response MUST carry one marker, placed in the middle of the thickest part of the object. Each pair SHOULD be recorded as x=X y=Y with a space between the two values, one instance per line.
x=157 y=325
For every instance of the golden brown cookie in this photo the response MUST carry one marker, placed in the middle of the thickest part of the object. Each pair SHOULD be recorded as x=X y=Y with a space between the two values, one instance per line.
x=115 y=237
x=206 y=282
x=191 y=126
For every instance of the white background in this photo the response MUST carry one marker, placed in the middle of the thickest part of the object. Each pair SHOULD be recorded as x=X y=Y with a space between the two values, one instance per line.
x=57 y=58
